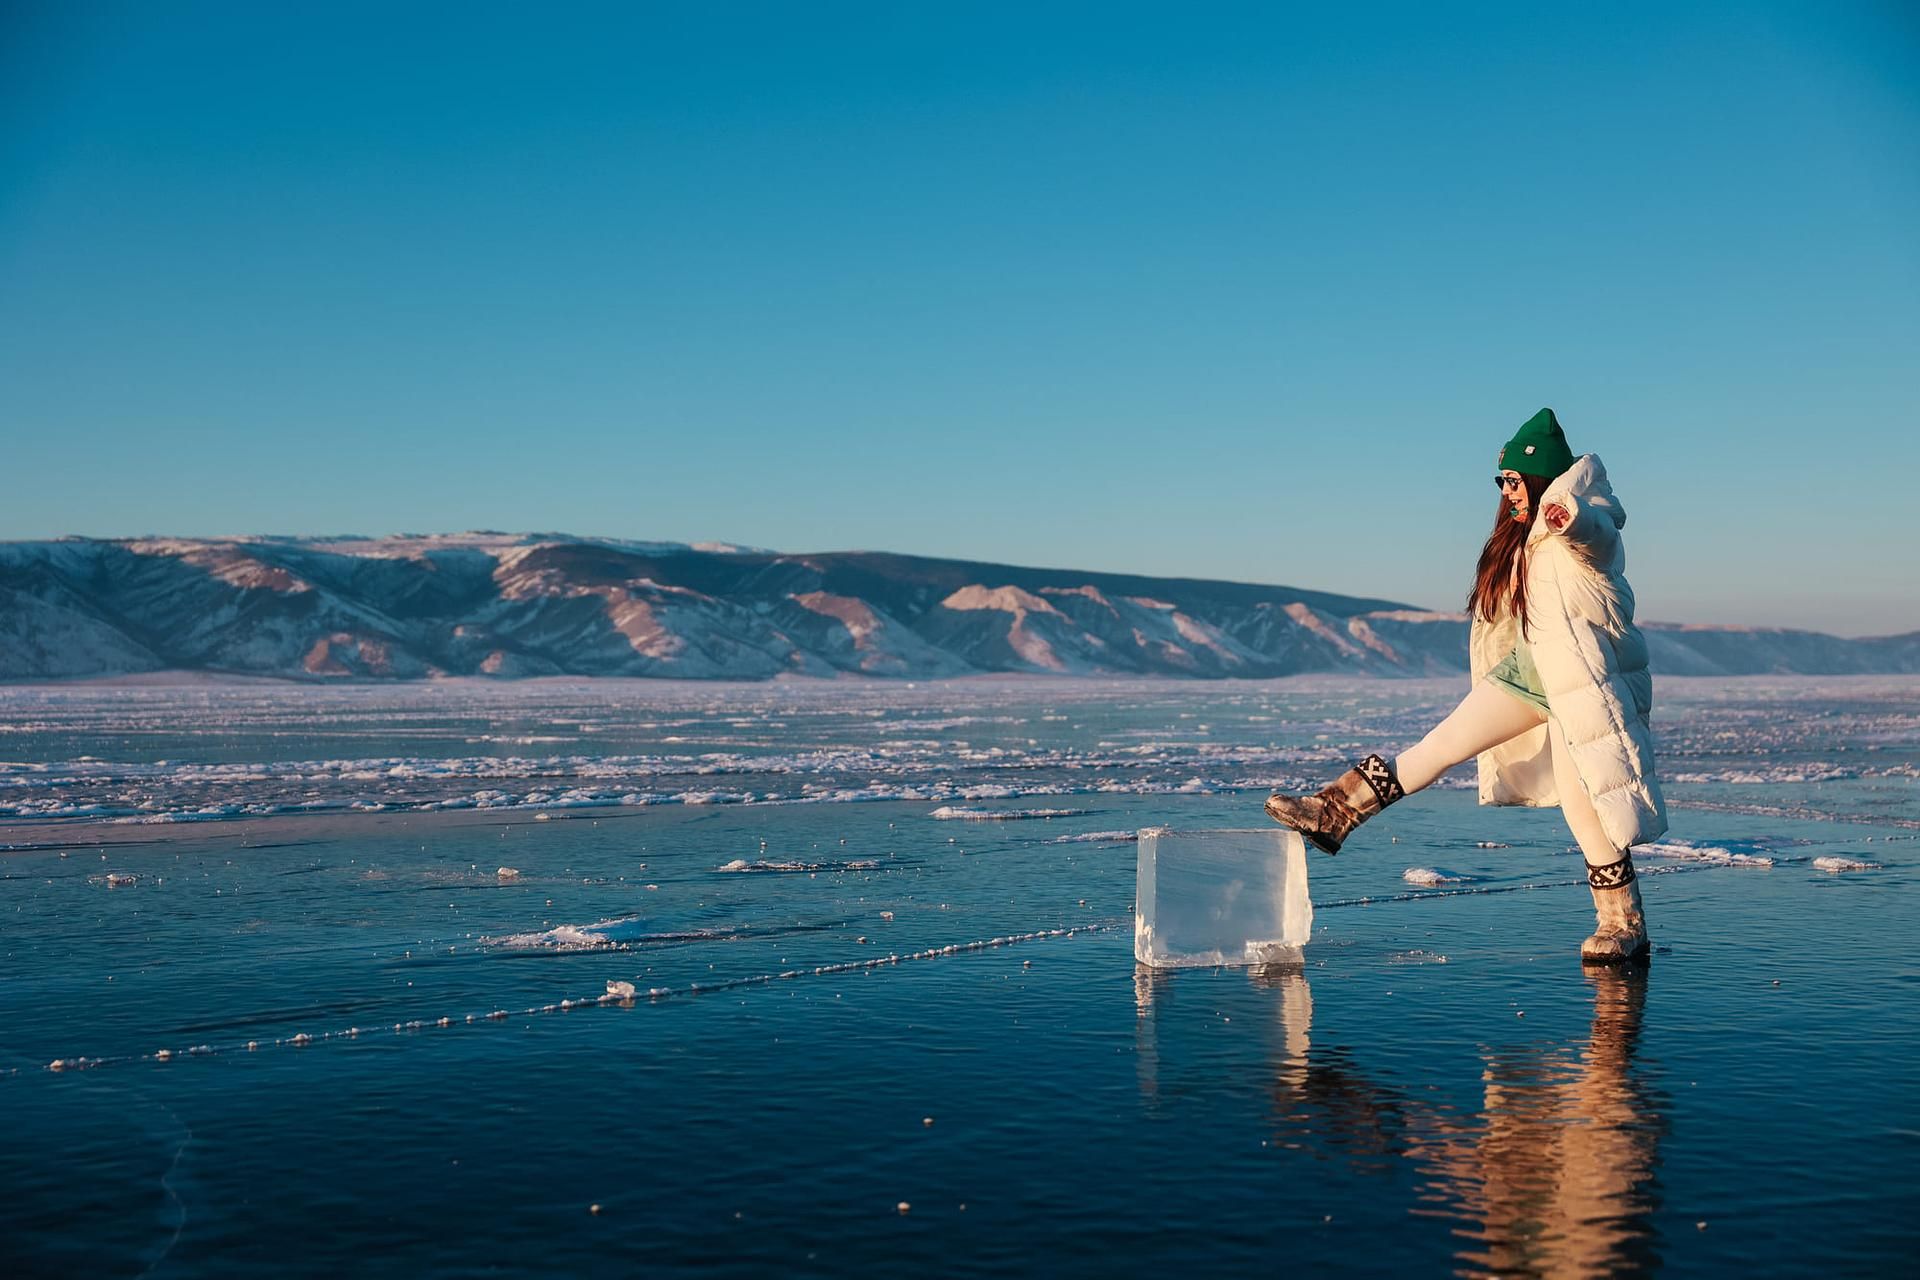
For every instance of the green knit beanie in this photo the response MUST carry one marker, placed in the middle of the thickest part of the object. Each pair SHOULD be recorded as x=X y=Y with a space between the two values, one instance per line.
x=1538 y=449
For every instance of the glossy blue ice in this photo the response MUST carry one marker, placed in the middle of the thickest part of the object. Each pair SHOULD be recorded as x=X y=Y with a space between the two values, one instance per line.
x=1439 y=1089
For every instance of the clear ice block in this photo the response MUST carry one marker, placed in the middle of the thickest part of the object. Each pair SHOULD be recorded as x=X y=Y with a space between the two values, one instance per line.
x=1220 y=897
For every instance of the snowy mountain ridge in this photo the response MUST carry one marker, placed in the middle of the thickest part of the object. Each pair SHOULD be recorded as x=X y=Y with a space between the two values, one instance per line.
x=417 y=606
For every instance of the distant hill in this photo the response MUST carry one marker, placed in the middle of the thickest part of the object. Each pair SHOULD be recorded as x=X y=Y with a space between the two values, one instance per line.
x=515 y=605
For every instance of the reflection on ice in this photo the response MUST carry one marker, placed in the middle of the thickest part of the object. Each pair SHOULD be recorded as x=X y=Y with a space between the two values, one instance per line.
x=1553 y=1174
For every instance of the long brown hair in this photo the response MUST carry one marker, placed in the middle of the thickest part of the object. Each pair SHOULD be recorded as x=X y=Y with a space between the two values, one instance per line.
x=1501 y=578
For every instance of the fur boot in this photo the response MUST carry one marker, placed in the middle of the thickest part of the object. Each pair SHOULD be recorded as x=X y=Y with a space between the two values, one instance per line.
x=1329 y=816
x=1621 y=934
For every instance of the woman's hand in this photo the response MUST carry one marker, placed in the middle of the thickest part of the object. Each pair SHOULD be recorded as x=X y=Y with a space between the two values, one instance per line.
x=1556 y=516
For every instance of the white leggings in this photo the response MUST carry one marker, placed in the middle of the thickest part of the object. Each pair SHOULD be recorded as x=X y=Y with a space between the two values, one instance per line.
x=1487 y=717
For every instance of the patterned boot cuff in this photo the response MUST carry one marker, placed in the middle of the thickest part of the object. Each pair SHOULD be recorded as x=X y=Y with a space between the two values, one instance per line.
x=1381 y=777
x=1615 y=875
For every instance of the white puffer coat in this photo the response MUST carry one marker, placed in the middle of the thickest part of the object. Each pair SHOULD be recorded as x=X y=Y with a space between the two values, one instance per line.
x=1592 y=662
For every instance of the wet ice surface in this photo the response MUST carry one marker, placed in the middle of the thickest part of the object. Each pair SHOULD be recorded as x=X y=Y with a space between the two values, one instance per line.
x=1437 y=1088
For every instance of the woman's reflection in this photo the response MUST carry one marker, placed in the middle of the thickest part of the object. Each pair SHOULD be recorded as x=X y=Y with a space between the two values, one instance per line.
x=1552 y=1176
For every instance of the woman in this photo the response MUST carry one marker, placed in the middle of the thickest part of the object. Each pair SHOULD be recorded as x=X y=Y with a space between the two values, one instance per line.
x=1558 y=710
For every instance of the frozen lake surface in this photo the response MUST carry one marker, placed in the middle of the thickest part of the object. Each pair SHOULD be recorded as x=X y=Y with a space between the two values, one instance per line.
x=324 y=970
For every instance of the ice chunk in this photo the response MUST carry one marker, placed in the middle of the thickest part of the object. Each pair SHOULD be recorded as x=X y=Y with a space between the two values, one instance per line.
x=1430 y=877
x=947 y=812
x=1220 y=897
x=1712 y=855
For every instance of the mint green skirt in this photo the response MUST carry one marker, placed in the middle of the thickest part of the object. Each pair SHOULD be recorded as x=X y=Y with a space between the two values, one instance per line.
x=1515 y=674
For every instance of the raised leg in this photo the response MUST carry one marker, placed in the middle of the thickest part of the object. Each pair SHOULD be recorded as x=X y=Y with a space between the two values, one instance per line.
x=1486 y=717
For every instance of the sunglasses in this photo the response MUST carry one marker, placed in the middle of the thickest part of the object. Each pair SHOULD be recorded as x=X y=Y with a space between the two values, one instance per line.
x=1504 y=483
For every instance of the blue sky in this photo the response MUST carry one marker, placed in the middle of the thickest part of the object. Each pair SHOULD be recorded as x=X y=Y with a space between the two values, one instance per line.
x=1237 y=291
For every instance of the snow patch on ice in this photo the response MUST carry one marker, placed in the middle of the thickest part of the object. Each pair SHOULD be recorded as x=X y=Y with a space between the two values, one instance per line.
x=1435 y=876
x=741 y=865
x=1709 y=855
x=948 y=812
x=566 y=937
x=1772 y=775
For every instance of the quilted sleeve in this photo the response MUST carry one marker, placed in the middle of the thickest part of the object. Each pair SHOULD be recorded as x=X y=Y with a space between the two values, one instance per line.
x=1596 y=523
